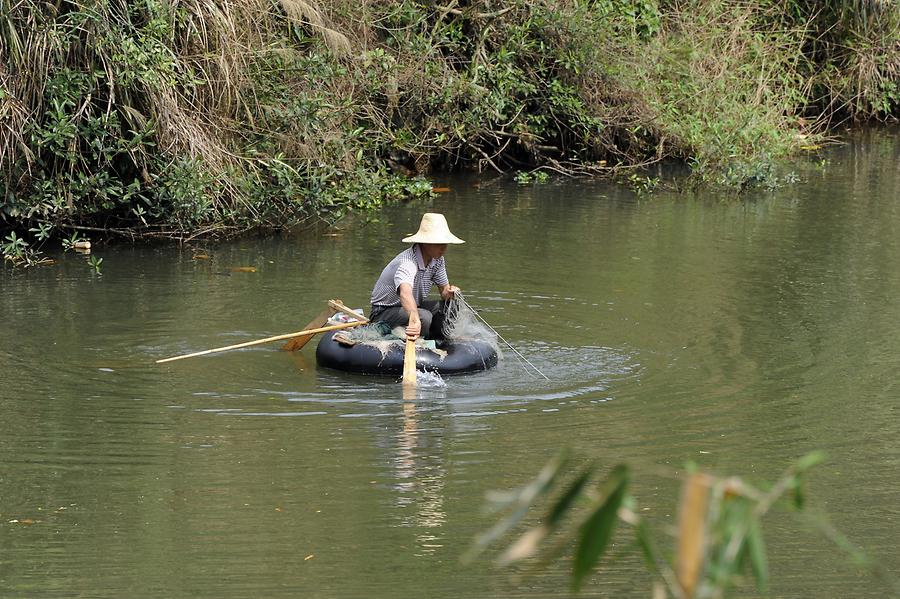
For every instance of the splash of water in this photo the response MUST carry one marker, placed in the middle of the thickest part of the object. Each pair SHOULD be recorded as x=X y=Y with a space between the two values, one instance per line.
x=429 y=380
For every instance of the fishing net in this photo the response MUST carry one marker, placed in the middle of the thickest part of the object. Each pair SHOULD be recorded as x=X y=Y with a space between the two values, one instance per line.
x=461 y=323
x=377 y=334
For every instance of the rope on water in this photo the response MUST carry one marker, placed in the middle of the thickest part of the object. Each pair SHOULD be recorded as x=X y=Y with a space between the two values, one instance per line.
x=458 y=299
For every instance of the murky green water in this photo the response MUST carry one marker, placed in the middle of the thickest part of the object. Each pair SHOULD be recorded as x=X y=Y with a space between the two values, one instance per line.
x=736 y=334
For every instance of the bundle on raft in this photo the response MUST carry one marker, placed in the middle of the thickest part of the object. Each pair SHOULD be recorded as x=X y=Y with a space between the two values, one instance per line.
x=382 y=354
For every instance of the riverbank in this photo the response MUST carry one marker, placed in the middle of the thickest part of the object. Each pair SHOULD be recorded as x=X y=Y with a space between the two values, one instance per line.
x=158 y=121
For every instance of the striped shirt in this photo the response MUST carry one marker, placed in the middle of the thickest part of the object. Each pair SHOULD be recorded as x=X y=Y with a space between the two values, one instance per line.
x=408 y=267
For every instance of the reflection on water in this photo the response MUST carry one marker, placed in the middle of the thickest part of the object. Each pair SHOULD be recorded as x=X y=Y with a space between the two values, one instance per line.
x=735 y=334
x=420 y=487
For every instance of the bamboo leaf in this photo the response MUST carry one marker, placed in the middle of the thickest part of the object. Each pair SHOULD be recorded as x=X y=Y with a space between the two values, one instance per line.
x=809 y=460
x=559 y=509
x=534 y=489
x=799 y=494
x=525 y=546
x=598 y=528
x=495 y=532
x=757 y=554
x=521 y=502
x=796 y=481
x=645 y=542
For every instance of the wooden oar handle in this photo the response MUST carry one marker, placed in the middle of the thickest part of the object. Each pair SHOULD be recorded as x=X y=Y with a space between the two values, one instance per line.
x=409 y=364
x=340 y=307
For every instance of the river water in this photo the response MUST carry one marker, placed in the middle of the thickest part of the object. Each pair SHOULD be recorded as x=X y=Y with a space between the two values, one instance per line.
x=738 y=334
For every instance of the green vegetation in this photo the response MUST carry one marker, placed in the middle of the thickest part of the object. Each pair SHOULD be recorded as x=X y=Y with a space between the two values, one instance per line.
x=94 y=262
x=177 y=120
x=718 y=533
x=526 y=177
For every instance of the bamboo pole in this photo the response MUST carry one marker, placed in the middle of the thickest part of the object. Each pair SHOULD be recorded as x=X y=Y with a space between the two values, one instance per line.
x=343 y=325
x=337 y=306
x=334 y=305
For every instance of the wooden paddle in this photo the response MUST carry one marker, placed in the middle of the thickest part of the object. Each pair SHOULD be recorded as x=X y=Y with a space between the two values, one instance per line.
x=334 y=305
x=343 y=325
x=409 y=365
x=319 y=321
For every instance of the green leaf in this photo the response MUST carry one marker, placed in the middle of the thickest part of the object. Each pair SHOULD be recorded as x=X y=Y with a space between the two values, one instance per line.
x=560 y=508
x=598 y=528
x=799 y=469
x=809 y=460
x=534 y=489
x=757 y=554
x=521 y=502
x=799 y=494
x=645 y=541
x=527 y=544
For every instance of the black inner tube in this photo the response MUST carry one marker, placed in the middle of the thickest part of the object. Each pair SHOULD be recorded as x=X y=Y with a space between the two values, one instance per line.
x=462 y=356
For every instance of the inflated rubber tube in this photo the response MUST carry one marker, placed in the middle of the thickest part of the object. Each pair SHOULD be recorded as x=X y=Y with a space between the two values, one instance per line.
x=462 y=357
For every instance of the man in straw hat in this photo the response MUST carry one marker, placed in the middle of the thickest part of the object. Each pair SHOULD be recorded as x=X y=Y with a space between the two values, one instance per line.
x=400 y=294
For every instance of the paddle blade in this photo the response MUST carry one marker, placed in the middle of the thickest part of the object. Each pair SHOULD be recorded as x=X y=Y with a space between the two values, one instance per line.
x=409 y=364
x=317 y=322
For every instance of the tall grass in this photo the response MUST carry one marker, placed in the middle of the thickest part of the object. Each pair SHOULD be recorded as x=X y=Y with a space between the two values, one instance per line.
x=171 y=116
x=186 y=117
x=722 y=88
x=860 y=45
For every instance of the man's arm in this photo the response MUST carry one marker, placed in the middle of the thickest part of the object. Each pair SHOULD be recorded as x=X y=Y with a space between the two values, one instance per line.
x=414 y=328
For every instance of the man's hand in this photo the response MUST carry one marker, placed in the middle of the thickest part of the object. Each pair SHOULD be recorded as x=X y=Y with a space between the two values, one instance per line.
x=448 y=291
x=414 y=328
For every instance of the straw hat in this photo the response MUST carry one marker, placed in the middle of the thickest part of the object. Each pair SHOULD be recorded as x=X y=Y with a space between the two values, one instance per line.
x=433 y=229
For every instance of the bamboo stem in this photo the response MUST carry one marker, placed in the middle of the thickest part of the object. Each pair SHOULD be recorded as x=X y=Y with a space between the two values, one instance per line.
x=337 y=306
x=343 y=325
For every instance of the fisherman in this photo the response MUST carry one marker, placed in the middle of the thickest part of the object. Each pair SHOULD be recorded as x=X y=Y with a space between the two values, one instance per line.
x=400 y=294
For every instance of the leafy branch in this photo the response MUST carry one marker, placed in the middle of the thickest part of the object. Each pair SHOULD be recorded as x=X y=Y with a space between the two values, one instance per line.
x=719 y=527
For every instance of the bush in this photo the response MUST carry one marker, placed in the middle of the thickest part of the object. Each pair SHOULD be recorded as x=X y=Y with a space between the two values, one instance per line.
x=154 y=119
